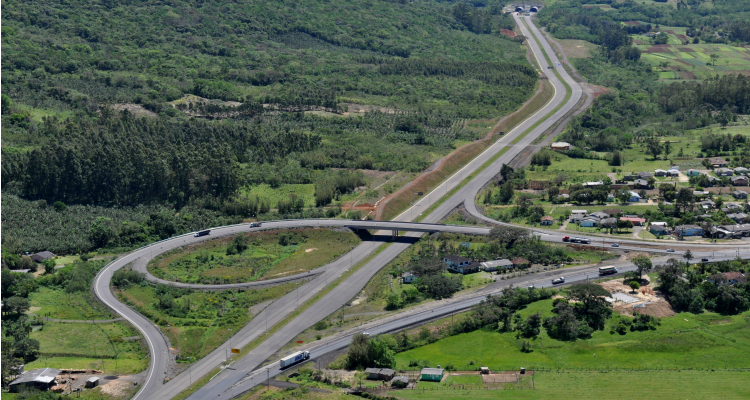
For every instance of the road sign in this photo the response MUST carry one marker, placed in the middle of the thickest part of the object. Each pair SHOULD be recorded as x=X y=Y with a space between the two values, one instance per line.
x=236 y=351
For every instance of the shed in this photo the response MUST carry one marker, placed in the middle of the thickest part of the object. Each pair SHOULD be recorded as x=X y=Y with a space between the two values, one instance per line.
x=484 y=370
x=92 y=382
x=432 y=374
x=408 y=277
x=400 y=382
x=41 y=379
x=693 y=172
x=41 y=256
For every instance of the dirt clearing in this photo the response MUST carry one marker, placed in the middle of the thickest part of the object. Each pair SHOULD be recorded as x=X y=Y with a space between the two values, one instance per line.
x=647 y=300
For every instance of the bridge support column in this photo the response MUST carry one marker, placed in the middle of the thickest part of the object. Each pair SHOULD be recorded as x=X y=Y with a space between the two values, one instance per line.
x=394 y=235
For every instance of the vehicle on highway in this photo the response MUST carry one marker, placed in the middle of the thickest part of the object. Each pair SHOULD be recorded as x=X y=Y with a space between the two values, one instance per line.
x=255 y=224
x=615 y=244
x=294 y=358
x=202 y=233
x=670 y=250
x=608 y=270
x=576 y=240
x=566 y=239
x=558 y=280
x=705 y=260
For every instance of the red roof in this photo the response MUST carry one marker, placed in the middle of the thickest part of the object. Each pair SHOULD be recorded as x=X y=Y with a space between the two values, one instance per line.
x=547 y=218
x=520 y=261
x=633 y=219
x=733 y=275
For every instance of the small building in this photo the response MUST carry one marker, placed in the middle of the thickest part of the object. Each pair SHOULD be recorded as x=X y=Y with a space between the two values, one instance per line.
x=739 y=194
x=432 y=374
x=737 y=230
x=741 y=170
x=400 y=382
x=561 y=146
x=563 y=197
x=490 y=266
x=380 y=374
x=645 y=175
x=693 y=172
x=520 y=262
x=641 y=184
x=408 y=277
x=593 y=184
x=608 y=223
x=739 y=180
x=635 y=220
x=41 y=256
x=634 y=197
x=92 y=382
x=723 y=172
x=673 y=172
x=484 y=370
x=688 y=230
x=547 y=220
x=739 y=218
x=717 y=162
x=660 y=172
x=590 y=221
x=453 y=261
x=579 y=211
x=658 y=230
x=577 y=217
x=41 y=379
x=735 y=277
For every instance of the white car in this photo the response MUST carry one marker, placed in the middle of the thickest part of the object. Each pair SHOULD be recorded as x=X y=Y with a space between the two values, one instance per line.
x=558 y=280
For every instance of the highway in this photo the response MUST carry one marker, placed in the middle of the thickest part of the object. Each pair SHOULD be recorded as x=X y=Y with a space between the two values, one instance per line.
x=350 y=287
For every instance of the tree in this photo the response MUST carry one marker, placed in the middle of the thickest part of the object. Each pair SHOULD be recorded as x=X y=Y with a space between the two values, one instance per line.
x=380 y=355
x=634 y=285
x=685 y=199
x=654 y=147
x=16 y=305
x=101 y=231
x=713 y=57
x=642 y=263
x=49 y=266
x=688 y=256
x=358 y=355
x=506 y=192
x=667 y=148
x=616 y=160
x=530 y=327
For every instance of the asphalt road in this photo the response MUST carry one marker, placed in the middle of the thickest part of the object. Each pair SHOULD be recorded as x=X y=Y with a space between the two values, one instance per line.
x=346 y=290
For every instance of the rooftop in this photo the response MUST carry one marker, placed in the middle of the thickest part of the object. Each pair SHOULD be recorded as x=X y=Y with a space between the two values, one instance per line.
x=45 y=375
x=432 y=371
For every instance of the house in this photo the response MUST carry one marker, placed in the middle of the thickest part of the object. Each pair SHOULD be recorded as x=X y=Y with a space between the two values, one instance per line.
x=590 y=221
x=706 y=204
x=41 y=379
x=380 y=374
x=561 y=146
x=712 y=180
x=739 y=180
x=641 y=184
x=660 y=172
x=461 y=265
x=432 y=374
x=547 y=220
x=408 y=277
x=738 y=230
x=739 y=194
x=741 y=170
x=645 y=175
x=673 y=172
x=717 y=162
x=723 y=172
x=735 y=277
x=658 y=230
x=577 y=217
x=630 y=177
x=634 y=197
x=739 y=218
x=521 y=262
x=490 y=266
x=400 y=382
x=635 y=220
x=593 y=184
x=688 y=230
x=692 y=172
x=563 y=196
x=41 y=256
x=599 y=214
x=608 y=223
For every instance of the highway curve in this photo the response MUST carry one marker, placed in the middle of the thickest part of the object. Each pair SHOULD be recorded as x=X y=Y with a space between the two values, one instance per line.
x=346 y=290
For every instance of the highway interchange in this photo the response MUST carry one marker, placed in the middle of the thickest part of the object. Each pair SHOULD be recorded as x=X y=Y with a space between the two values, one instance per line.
x=237 y=379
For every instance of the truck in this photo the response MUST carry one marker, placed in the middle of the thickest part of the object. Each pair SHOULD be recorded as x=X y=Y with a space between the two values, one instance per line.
x=255 y=224
x=566 y=239
x=202 y=233
x=294 y=358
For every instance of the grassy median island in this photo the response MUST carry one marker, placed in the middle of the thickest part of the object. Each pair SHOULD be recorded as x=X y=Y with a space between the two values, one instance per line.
x=253 y=256
x=196 y=322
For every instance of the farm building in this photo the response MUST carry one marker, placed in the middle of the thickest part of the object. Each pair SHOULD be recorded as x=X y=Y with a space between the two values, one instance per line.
x=41 y=256
x=490 y=266
x=432 y=374
x=717 y=162
x=688 y=230
x=41 y=379
x=547 y=220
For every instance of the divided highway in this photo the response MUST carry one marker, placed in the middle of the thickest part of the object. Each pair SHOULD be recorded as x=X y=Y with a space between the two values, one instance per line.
x=220 y=386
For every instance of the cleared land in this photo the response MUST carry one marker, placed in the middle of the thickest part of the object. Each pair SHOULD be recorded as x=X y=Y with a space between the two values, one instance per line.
x=63 y=305
x=269 y=255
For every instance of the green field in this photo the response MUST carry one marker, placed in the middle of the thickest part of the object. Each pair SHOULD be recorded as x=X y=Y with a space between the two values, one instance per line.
x=80 y=345
x=683 y=341
x=268 y=194
x=63 y=305
x=679 y=61
x=206 y=319
x=267 y=257
x=663 y=385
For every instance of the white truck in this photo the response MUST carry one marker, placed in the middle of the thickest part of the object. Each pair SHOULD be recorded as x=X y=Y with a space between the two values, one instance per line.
x=294 y=358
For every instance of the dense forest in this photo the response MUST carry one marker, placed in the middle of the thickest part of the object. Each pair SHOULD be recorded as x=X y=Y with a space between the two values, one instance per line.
x=234 y=95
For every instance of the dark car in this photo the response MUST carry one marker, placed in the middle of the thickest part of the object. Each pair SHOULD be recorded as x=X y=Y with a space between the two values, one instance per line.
x=704 y=259
x=670 y=250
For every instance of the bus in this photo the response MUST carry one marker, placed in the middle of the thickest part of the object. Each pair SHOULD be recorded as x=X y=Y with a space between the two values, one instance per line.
x=202 y=233
x=607 y=270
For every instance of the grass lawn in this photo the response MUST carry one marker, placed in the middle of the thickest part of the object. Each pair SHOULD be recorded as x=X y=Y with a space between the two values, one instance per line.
x=266 y=257
x=211 y=319
x=684 y=341
x=63 y=305
x=265 y=192
x=79 y=345
x=610 y=385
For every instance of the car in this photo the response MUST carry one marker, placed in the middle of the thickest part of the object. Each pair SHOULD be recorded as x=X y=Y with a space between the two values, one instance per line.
x=670 y=250
x=704 y=259
x=615 y=245
x=558 y=280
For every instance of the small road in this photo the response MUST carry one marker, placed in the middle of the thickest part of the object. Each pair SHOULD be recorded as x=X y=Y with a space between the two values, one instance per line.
x=84 y=321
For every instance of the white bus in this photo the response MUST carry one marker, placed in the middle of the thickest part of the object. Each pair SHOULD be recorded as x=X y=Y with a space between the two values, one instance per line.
x=607 y=270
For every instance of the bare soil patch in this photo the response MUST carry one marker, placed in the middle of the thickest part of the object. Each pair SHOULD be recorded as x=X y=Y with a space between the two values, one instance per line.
x=508 y=32
x=658 y=48
x=650 y=302
x=134 y=109
x=353 y=108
